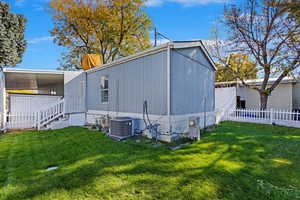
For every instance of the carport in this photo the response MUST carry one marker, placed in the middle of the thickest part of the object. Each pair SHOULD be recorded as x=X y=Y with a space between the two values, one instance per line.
x=29 y=91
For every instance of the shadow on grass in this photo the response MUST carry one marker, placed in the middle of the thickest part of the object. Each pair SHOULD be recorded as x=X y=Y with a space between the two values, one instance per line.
x=230 y=163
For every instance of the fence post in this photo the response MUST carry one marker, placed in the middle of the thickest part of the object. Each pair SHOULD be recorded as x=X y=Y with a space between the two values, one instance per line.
x=2 y=121
x=64 y=107
x=38 y=121
x=271 y=116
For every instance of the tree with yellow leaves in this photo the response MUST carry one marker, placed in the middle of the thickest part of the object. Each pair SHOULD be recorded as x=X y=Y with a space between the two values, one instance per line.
x=109 y=28
x=239 y=67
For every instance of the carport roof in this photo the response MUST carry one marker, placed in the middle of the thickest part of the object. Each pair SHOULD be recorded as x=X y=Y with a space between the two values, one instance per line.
x=33 y=71
x=32 y=79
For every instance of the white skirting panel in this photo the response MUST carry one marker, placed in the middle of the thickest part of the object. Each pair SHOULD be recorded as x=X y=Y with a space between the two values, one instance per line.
x=92 y=115
x=77 y=119
x=179 y=123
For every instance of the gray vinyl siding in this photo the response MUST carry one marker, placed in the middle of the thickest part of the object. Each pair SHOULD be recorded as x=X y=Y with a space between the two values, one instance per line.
x=130 y=84
x=296 y=95
x=191 y=82
x=75 y=95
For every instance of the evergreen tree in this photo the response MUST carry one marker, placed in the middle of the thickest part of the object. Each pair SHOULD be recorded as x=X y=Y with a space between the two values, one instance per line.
x=12 y=42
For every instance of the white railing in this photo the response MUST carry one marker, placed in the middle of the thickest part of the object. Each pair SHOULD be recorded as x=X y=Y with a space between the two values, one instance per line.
x=271 y=116
x=34 y=119
x=51 y=113
x=21 y=120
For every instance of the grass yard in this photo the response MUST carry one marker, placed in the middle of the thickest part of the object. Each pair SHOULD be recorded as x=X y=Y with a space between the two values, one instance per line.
x=236 y=161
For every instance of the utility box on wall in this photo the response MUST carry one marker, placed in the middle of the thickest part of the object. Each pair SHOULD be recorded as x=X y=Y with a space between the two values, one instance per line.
x=194 y=128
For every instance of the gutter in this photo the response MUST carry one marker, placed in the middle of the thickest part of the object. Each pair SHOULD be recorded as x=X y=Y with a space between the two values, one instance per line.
x=169 y=88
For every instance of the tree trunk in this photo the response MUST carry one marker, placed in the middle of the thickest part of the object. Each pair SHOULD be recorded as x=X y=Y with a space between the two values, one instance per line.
x=263 y=100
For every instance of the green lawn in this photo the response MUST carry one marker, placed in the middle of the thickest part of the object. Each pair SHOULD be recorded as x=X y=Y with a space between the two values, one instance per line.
x=237 y=161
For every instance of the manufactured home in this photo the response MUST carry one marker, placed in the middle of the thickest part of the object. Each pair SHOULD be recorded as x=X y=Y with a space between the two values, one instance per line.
x=286 y=96
x=176 y=80
x=170 y=86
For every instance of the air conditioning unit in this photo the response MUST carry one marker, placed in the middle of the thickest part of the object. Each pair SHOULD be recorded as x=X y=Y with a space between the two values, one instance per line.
x=122 y=127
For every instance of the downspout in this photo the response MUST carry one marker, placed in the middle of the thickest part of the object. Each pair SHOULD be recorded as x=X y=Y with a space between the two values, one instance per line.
x=85 y=97
x=169 y=89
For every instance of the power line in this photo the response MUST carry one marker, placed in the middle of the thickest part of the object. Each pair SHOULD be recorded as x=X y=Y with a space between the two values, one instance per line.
x=157 y=34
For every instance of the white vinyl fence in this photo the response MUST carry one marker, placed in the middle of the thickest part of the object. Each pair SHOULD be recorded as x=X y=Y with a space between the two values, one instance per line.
x=34 y=119
x=21 y=120
x=22 y=103
x=225 y=99
x=278 y=117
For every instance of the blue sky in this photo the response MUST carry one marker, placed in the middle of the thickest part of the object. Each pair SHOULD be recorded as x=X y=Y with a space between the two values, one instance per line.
x=177 y=19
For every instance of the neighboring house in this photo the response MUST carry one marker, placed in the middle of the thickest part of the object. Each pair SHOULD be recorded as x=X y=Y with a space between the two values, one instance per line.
x=286 y=96
x=176 y=80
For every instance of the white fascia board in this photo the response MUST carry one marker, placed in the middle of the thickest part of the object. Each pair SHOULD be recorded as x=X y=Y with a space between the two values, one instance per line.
x=208 y=56
x=33 y=71
x=183 y=45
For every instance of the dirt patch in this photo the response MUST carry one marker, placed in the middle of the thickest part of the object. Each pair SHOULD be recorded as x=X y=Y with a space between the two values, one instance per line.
x=18 y=131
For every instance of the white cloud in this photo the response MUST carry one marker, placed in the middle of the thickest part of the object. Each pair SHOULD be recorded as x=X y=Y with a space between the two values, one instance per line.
x=183 y=2
x=40 y=39
x=19 y=3
x=160 y=41
x=152 y=3
x=37 y=7
x=213 y=44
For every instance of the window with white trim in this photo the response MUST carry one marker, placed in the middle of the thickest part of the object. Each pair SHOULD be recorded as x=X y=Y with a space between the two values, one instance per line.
x=104 y=89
